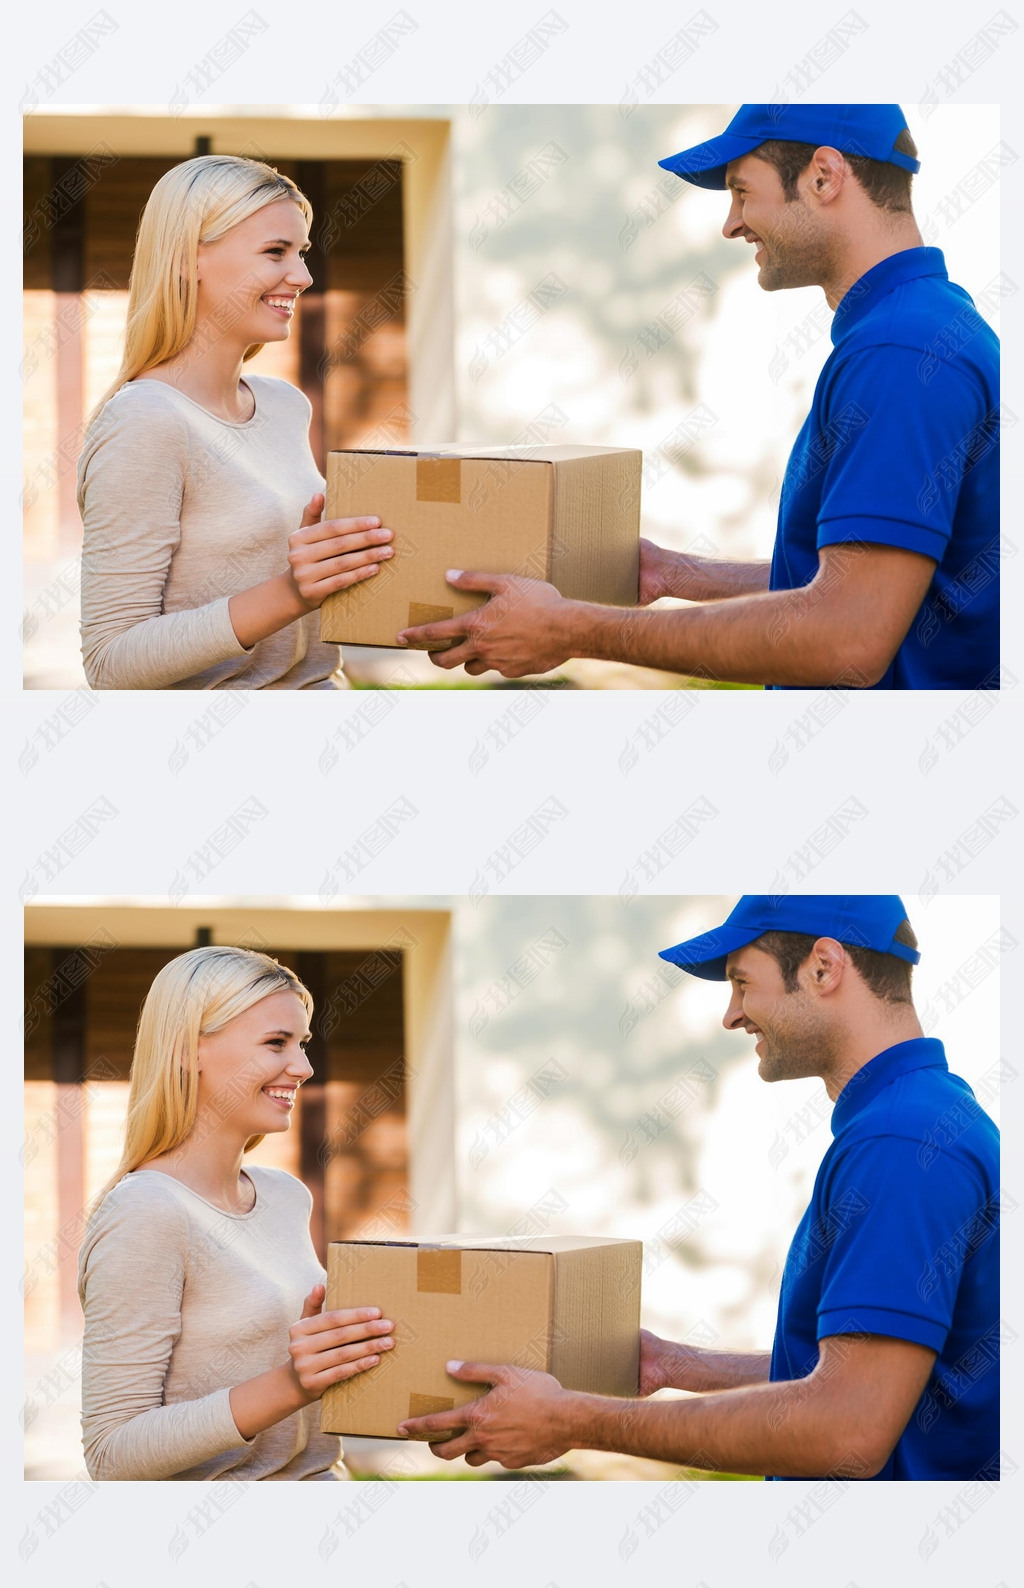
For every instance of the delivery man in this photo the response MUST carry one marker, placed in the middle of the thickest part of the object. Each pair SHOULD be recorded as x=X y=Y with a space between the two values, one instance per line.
x=885 y=572
x=885 y=1361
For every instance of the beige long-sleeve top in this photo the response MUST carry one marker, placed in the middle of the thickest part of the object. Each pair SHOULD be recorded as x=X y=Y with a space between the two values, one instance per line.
x=182 y=1300
x=182 y=510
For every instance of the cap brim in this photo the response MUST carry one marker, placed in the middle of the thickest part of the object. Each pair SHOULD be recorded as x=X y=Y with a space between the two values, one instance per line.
x=704 y=165
x=705 y=956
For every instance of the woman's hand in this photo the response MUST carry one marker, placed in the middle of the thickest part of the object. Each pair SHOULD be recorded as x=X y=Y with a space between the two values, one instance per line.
x=321 y=558
x=326 y=1347
x=333 y=554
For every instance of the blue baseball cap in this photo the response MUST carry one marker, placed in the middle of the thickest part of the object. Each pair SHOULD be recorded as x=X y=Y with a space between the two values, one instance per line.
x=869 y=130
x=860 y=920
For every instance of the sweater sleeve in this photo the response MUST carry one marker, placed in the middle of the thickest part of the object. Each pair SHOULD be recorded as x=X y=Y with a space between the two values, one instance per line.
x=131 y=1276
x=130 y=485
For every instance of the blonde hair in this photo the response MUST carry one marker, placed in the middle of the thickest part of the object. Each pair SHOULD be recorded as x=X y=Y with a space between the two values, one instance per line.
x=193 y=203
x=192 y=996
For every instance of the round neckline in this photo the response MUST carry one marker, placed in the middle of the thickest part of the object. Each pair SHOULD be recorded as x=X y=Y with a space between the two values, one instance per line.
x=232 y=424
x=226 y=1212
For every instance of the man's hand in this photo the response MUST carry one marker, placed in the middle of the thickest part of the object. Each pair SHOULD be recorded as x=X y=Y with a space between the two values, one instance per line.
x=657 y=567
x=516 y=1423
x=657 y=1360
x=516 y=632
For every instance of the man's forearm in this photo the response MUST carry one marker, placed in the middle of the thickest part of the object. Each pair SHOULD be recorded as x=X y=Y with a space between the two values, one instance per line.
x=693 y=1368
x=779 y=1430
x=709 y=579
x=779 y=637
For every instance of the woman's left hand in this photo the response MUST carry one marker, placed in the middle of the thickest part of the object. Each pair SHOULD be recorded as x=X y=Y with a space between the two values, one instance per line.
x=326 y=1347
x=332 y=554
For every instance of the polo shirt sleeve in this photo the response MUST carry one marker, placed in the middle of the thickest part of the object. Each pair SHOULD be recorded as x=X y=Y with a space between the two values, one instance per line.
x=897 y=438
x=898 y=1235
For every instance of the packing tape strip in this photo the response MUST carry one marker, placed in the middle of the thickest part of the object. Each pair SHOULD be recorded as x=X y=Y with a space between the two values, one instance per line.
x=438 y=479
x=422 y=612
x=423 y=1405
x=439 y=1269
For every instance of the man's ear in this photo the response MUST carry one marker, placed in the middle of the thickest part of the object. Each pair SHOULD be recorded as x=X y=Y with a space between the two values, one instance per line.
x=827 y=175
x=828 y=963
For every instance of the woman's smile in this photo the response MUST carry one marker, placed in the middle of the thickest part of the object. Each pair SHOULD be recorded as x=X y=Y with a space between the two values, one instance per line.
x=283 y=1096
x=281 y=303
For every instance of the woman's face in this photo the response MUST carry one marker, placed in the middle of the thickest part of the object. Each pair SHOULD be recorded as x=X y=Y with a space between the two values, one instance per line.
x=250 y=279
x=251 y=1069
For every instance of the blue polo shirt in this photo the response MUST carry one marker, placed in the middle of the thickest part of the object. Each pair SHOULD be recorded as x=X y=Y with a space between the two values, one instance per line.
x=901 y=448
x=901 y=1239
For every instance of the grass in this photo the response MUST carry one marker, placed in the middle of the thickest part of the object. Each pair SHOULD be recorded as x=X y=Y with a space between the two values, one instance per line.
x=555 y=683
x=418 y=1477
x=684 y=1475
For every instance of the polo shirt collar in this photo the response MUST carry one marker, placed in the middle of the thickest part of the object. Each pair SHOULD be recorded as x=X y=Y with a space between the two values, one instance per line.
x=907 y=265
x=920 y=1053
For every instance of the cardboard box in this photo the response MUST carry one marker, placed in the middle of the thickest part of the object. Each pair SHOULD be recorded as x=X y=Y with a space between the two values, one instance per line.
x=570 y=515
x=568 y=1306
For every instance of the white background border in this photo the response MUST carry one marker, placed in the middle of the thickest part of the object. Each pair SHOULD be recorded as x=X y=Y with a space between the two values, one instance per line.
x=722 y=1534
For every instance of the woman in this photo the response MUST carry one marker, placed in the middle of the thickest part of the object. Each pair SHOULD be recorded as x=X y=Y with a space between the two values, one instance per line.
x=194 y=1269
x=204 y=558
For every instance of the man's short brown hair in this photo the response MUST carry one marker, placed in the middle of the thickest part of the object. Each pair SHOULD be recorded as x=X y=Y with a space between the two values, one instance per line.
x=886 y=975
x=886 y=185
